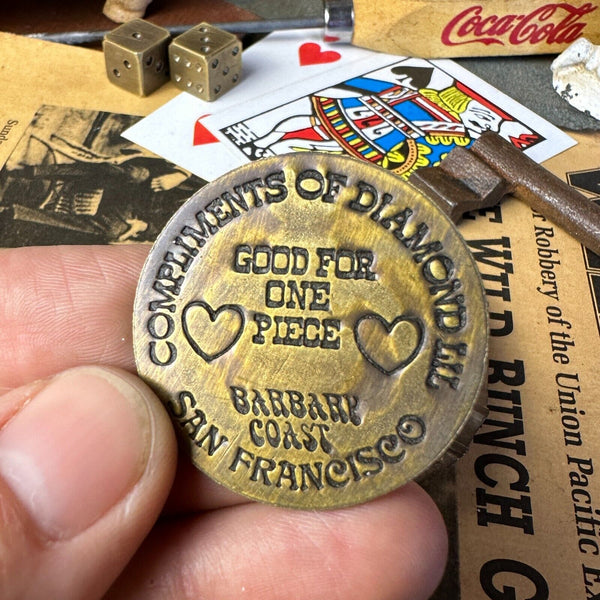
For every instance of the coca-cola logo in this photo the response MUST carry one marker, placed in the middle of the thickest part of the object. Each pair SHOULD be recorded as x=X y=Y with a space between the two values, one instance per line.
x=551 y=23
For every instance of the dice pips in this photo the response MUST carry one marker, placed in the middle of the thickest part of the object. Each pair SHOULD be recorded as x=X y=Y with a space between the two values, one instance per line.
x=136 y=56
x=204 y=61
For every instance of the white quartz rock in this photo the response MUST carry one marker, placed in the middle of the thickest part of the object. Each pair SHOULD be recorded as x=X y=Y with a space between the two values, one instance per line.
x=576 y=76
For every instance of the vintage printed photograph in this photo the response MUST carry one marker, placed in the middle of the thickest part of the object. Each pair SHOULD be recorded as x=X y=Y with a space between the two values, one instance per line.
x=72 y=178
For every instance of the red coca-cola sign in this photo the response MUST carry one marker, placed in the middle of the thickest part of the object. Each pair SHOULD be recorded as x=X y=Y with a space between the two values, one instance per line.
x=552 y=23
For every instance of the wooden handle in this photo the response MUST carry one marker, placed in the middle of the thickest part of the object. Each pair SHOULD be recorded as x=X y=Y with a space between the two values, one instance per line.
x=452 y=28
x=541 y=190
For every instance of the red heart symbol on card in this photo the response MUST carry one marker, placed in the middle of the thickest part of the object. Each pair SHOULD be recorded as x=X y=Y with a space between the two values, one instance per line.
x=389 y=345
x=202 y=135
x=311 y=54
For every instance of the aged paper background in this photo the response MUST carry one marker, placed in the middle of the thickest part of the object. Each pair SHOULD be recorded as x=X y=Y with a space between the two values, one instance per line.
x=33 y=72
x=523 y=506
x=68 y=175
x=528 y=491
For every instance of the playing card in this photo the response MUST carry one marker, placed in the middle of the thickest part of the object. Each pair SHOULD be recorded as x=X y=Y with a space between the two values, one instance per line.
x=402 y=115
x=177 y=130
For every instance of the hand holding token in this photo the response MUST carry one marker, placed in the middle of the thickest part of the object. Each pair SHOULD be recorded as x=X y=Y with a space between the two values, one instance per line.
x=87 y=458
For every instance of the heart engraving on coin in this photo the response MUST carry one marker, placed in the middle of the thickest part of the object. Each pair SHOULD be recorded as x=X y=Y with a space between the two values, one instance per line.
x=389 y=345
x=212 y=332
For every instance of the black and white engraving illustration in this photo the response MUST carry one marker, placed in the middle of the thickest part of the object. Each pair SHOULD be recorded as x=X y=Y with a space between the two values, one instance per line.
x=72 y=178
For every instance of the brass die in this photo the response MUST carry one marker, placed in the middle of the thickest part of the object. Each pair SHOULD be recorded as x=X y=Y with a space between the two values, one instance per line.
x=136 y=56
x=205 y=61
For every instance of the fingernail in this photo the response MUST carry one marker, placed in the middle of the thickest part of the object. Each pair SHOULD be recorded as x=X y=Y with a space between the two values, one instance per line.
x=76 y=448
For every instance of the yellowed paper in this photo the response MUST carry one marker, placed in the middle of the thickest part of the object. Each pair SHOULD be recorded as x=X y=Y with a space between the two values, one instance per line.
x=35 y=72
x=529 y=489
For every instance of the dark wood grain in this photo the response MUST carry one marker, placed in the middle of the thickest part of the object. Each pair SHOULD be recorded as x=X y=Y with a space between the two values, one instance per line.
x=35 y=16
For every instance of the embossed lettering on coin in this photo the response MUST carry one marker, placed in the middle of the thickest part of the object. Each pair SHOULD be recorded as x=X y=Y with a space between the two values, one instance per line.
x=316 y=329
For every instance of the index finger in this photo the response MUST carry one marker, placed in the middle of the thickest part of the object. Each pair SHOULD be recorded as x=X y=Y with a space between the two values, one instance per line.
x=65 y=306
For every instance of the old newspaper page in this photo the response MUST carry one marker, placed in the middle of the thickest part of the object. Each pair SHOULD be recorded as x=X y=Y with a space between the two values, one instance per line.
x=528 y=491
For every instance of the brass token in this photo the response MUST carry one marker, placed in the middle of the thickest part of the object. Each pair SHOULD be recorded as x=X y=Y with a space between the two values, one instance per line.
x=317 y=330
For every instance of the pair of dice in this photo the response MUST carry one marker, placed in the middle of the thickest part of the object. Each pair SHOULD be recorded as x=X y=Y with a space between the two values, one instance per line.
x=204 y=61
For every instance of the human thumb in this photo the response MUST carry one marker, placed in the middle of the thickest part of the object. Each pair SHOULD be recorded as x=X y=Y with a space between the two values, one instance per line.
x=87 y=459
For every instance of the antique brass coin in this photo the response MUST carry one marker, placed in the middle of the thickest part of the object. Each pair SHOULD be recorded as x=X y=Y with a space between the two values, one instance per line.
x=317 y=330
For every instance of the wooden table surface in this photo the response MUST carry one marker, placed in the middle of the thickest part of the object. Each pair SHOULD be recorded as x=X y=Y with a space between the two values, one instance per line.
x=36 y=16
